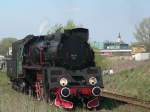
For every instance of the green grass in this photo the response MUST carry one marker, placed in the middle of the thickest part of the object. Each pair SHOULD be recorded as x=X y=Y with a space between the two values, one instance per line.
x=134 y=82
x=101 y=61
x=12 y=101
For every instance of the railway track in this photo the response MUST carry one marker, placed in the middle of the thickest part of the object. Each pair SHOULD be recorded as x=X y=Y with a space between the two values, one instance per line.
x=126 y=99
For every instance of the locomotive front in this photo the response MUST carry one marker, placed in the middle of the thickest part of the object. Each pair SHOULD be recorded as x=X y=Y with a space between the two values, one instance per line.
x=76 y=78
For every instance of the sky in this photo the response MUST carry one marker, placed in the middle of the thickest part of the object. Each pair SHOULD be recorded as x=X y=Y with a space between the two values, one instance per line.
x=104 y=18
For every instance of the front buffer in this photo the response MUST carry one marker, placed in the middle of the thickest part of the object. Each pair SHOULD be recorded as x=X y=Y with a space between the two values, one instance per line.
x=65 y=97
x=74 y=87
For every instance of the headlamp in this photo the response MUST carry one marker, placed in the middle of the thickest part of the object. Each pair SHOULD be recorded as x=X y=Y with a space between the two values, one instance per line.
x=63 y=81
x=92 y=80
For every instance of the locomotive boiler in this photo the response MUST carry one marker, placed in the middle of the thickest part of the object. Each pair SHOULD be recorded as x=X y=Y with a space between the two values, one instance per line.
x=59 y=67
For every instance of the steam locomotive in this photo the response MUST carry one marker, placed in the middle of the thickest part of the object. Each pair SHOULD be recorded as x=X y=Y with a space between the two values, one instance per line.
x=59 y=67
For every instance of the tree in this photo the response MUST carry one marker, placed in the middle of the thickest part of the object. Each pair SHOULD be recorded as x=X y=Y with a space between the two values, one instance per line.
x=5 y=43
x=60 y=28
x=70 y=25
x=142 y=34
x=55 y=28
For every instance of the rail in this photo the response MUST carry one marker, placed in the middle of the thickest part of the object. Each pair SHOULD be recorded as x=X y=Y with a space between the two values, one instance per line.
x=126 y=99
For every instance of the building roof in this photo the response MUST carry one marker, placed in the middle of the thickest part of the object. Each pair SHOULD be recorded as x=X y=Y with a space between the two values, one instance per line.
x=116 y=50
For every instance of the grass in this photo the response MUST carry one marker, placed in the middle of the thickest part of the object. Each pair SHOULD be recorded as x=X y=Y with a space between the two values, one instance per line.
x=134 y=82
x=12 y=101
x=102 y=61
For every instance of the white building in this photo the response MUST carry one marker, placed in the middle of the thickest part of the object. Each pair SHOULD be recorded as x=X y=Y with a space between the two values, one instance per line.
x=141 y=56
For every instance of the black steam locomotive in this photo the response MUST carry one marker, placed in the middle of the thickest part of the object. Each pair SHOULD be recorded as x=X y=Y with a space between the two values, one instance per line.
x=58 y=67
